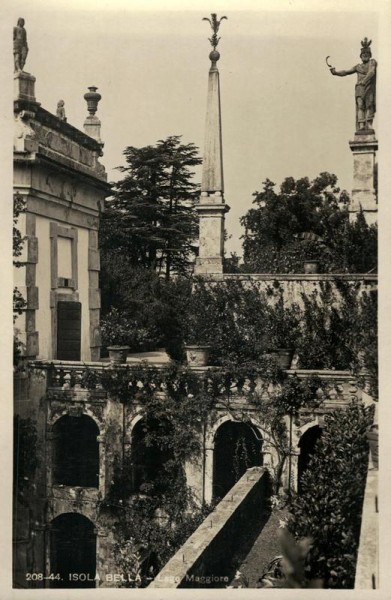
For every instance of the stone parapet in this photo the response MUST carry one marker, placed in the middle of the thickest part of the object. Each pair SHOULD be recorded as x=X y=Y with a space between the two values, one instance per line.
x=207 y=559
x=367 y=570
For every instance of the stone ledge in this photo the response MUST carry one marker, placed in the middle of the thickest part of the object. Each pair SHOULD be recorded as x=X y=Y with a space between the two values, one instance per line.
x=193 y=559
x=367 y=576
x=370 y=277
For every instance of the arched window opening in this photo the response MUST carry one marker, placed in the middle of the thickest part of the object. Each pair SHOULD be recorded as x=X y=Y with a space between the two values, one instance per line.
x=72 y=552
x=238 y=446
x=76 y=452
x=307 y=445
x=149 y=458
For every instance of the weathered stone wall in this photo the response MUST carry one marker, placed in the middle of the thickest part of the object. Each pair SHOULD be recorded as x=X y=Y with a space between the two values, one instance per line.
x=210 y=556
x=29 y=516
x=293 y=286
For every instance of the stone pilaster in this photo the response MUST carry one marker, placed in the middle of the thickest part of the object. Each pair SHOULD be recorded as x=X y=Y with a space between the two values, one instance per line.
x=364 y=192
x=94 y=294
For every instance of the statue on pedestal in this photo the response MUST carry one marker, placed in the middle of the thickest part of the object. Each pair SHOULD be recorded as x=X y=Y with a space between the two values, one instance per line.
x=61 y=110
x=20 y=46
x=365 y=93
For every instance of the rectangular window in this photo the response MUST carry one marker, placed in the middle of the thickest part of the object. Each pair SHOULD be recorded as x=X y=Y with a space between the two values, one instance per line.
x=68 y=330
x=64 y=250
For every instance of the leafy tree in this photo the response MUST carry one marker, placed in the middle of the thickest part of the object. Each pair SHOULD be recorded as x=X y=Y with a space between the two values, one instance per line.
x=151 y=217
x=140 y=308
x=330 y=505
x=306 y=220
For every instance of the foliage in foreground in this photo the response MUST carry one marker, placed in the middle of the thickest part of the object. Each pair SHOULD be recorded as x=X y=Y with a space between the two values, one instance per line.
x=330 y=505
x=25 y=457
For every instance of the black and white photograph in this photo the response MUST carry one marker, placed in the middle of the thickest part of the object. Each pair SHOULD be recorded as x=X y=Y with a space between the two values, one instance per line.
x=191 y=240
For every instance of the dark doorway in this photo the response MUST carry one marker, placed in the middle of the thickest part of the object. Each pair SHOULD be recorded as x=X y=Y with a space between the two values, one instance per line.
x=72 y=552
x=149 y=461
x=76 y=452
x=306 y=445
x=68 y=330
x=237 y=447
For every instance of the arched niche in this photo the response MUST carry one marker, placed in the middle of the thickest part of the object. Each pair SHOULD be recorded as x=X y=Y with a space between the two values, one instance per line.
x=148 y=459
x=237 y=447
x=72 y=551
x=306 y=445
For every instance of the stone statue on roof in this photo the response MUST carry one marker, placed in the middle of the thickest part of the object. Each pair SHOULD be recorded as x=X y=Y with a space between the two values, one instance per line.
x=61 y=110
x=365 y=93
x=20 y=46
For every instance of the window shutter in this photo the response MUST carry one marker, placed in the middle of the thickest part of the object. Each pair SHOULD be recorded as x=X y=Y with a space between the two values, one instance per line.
x=68 y=330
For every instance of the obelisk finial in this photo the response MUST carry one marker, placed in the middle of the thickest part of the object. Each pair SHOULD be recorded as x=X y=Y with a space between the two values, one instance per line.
x=214 y=40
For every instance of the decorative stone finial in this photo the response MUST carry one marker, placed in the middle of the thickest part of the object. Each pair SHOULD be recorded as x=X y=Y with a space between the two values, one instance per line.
x=214 y=40
x=92 y=97
x=61 y=110
x=92 y=123
x=20 y=46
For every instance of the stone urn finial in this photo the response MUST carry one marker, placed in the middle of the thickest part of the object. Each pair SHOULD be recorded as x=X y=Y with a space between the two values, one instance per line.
x=92 y=98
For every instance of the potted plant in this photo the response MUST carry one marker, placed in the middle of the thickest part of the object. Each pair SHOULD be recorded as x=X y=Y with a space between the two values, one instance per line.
x=282 y=329
x=313 y=251
x=197 y=328
x=117 y=334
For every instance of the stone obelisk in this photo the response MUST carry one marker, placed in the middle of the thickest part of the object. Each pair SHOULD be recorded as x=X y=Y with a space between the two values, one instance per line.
x=212 y=208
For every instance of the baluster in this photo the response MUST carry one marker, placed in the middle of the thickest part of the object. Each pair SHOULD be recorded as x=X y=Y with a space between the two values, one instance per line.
x=67 y=381
x=77 y=380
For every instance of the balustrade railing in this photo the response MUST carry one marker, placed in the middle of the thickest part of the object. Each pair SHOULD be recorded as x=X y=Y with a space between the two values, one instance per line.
x=68 y=377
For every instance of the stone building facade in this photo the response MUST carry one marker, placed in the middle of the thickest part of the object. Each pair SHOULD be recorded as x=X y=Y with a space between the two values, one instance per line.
x=58 y=173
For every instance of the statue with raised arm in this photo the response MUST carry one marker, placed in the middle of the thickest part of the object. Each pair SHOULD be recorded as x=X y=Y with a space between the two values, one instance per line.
x=365 y=87
x=20 y=46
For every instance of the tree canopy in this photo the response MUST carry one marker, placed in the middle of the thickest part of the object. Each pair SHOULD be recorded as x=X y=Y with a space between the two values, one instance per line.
x=151 y=216
x=306 y=220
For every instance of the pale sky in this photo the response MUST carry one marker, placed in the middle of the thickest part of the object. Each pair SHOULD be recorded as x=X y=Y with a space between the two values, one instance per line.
x=283 y=114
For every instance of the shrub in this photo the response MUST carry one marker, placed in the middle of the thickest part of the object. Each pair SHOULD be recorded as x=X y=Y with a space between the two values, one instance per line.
x=330 y=505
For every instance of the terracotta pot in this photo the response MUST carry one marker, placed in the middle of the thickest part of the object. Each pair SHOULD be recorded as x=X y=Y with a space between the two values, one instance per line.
x=118 y=354
x=197 y=356
x=311 y=266
x=373 y=439
x=283 y=357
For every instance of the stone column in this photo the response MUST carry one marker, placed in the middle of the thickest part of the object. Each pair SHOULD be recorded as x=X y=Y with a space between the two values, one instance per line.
x=102 y=464
x=208 y=475
x=364 y=192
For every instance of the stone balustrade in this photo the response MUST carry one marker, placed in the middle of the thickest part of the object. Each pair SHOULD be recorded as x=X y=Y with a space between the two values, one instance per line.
x=67 y=379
